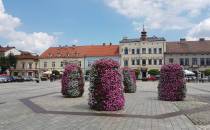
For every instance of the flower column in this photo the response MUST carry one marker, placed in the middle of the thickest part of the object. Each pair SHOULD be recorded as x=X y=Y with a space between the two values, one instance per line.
x=106 y=92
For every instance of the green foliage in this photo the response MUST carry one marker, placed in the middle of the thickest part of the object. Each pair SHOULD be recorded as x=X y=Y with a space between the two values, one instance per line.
x=8 y=62
x=55 y=72
x=207 y=72
x=154 y=72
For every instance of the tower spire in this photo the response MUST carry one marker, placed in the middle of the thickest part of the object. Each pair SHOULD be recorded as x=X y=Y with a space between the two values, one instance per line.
x=143 y=34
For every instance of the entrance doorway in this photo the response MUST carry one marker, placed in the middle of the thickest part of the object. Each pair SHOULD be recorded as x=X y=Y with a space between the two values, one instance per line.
x=144 y=72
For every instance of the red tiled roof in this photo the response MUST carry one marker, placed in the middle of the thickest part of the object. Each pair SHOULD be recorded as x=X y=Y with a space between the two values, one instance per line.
x=27 y=55
x=191 y=47
x=81 y=51
x=4 y=49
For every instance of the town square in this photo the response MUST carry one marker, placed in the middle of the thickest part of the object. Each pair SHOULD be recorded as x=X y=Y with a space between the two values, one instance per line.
x=41 y=106
x=104 y=65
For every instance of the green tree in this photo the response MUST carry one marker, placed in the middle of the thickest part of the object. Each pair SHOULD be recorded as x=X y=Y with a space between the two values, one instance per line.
x=8 y=62
x=207 y=72
x=55 y=72
x=11 y=60
x=154 y=72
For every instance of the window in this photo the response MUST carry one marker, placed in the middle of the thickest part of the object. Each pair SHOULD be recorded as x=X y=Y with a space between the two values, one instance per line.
x=30 y=65
x=144 y=62
x=138 y=61
x=126 y=51
x=181 y=61
x=150 y=62
x=155 y=62
x=45 y=64
x=138 y=51
x=202 y=61
x=23 y=65
x=186 y=61
x=171 y=60
x=160 y=61
x=53 y=64
x=35 y=65
x=194 y=61
x=144 y=51
x=155 y=50
x=133 y=51
x=125 y=62
x=133 y=62
x=208 y=61
x=160 y=51
x=61 y=64
x=150 y=51
x=79 y=63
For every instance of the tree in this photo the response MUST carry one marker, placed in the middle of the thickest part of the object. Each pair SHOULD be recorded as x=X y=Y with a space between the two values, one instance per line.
x=55 y=72
x=12 y=60
x=207 y=72
x=8 y=62
x=154 y=72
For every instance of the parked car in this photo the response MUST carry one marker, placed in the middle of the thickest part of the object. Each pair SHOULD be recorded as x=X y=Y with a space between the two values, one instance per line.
x=19 y=79
x=3 y=79
x=28 y=78
x=44 y=78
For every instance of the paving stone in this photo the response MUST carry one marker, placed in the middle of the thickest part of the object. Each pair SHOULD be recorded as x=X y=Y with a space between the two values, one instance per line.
x=15 y=115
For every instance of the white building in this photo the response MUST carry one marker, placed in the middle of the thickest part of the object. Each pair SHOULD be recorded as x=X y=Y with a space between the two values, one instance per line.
x=5 y=51
x=143 y=53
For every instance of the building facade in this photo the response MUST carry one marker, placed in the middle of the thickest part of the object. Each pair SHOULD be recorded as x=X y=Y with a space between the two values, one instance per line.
x=104 y=51
x=144 y=53
x=6 y=51
x=27 y=65
x=192 y=55
x=56 y=58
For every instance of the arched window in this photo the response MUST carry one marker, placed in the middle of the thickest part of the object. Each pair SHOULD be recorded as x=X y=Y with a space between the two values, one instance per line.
x=126 y=51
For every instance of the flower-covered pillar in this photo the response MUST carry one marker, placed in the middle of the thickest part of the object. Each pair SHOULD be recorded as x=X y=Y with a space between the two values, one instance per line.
x=129 y=80
x=72 y=81
x=172 y=85
x=106 y=91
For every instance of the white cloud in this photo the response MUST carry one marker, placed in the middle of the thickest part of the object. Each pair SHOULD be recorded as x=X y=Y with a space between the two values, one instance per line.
x=35 y=42
x=161 y=14
x=201 y=30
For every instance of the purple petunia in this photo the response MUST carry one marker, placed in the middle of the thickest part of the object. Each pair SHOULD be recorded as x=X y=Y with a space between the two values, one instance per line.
x=172 y=85
x=105 y=91
x=72 y=81
x=129 y=80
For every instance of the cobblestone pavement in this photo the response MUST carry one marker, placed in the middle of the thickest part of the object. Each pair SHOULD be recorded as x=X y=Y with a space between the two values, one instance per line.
x=33 y=106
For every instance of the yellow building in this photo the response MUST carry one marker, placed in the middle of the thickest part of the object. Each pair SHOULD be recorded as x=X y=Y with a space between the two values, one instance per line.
x=27 y=65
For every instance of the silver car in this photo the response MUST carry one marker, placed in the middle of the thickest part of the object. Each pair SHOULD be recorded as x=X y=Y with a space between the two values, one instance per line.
x=3 y=80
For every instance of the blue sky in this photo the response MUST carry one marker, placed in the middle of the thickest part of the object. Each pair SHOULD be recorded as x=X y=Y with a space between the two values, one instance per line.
x=35 y=25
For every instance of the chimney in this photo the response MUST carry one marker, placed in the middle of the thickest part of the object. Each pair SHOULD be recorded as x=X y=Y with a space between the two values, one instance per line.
x=182 y=39
x=202 y=39
x=104 y=44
